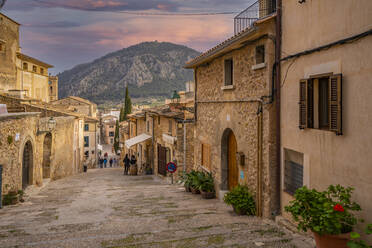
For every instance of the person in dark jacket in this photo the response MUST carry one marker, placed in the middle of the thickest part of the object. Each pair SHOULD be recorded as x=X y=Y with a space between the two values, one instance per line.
x=101 y=163
x=126 y=164
x=133 y=160
x=111 y=161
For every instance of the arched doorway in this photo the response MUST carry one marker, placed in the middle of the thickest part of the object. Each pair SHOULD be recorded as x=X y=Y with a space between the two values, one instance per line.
x=230 y=171
x=47 y=151
x=27 y=165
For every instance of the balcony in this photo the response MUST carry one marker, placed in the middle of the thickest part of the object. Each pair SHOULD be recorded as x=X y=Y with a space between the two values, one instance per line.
x=255 y=11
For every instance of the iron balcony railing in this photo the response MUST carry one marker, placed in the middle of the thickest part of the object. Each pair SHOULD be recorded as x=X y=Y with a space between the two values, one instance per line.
x=258 y=9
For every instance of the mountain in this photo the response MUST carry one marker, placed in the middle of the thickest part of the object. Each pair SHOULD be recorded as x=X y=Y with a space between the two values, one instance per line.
x=150 y=69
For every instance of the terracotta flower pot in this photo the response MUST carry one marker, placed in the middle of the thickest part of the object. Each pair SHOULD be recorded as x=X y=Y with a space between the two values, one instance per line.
x=331 y=241
x=239 y=211
x=187 y=189
x=208 y=195
x=194 y=190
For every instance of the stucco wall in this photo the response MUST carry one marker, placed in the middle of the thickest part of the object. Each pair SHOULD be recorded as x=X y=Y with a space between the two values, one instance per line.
x=330 y=159
x=9 y=36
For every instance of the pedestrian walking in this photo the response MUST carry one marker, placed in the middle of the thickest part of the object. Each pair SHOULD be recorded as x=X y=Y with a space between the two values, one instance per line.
x=115 y=163
x=111 y=162
x=105 y=162
x=101 y=163
x=126 y=164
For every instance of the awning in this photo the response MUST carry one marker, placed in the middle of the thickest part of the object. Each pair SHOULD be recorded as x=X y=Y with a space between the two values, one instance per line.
x=136 y=140
x=169 y=139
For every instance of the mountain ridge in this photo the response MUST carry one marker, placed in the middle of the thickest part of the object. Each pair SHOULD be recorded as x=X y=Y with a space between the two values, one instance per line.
x=150 y=69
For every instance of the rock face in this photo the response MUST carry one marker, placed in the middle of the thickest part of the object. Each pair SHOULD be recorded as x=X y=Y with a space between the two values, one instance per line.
x=149 y=69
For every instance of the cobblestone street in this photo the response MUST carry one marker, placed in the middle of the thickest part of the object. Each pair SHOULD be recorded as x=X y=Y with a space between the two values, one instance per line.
x=103 y=208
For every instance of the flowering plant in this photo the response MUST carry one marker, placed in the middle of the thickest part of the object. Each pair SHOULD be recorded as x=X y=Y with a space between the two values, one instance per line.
x=326 y=212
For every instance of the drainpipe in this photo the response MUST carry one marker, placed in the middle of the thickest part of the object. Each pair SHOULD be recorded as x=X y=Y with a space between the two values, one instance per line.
x=153 y=146
x=184 y=147
x=278 y=105
x=259 y=158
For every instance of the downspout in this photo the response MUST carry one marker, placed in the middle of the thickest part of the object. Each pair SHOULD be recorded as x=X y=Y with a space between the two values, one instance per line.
x=259 y=158
x=153 y=146
x=278 y=104
x=184 y=146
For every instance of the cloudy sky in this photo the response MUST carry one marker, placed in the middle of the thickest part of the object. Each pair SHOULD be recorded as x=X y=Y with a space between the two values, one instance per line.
x=69 y=32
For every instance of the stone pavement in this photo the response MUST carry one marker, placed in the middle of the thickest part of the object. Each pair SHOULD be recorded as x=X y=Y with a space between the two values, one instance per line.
x=103 y=208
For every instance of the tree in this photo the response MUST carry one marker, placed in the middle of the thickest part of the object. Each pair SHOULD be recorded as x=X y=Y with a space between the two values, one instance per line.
x=116 y=137
x=127 y=105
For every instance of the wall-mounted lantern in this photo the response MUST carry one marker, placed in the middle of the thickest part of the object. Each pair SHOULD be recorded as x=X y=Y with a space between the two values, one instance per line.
x=47 y=126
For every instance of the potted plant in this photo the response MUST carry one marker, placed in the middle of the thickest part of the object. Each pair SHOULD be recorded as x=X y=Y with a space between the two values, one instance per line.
x=328 y=214
x=195 y=180
x=206 y=186
x=356 y=242
x=186 y=180
x=241 y=200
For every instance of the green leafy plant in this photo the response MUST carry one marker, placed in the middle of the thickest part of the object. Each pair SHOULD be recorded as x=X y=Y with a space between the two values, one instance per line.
x=10 y=139
x=206 y=183
x=241 y=199
x=327 y=212
x=356 y=242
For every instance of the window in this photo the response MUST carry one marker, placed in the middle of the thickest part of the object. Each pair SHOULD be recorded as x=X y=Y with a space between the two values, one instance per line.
x=86 y=127
x=86 y=153
x=206 y=156
x=25 y=66
x=92 y=152
x=111 y=134
x=293 y=177
x=320 y=104
x=41 y=70
x=170 y=127
x=111 y=126
x=51 y=90
x=229 y=72
x=260 y=54
x=34 y=68
x=86 y=141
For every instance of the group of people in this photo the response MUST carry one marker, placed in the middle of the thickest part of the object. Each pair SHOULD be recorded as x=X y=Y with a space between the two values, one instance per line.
x=128 y=162
x=103 y=162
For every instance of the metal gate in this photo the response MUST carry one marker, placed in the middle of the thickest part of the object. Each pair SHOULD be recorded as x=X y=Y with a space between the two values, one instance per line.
x=162 y=163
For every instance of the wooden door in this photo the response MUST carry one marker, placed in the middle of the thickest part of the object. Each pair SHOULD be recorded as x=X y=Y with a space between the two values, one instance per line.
x=27 y=164
x=233 y=167
x=162 y=153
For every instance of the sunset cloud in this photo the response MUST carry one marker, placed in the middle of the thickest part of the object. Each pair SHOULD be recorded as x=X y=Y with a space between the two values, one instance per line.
x=71 y=32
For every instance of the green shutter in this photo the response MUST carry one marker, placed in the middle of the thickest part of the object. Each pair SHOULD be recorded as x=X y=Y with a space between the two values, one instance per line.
x=303 y=105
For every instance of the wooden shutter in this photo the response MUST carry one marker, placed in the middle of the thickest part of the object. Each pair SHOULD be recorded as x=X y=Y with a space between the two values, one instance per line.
x=303 y=105
x=335 y=104
x=206 y=156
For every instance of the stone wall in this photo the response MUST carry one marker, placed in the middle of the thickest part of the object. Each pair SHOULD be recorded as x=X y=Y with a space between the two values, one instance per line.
x=189 y=147
x=16 y=130
x=218 y=116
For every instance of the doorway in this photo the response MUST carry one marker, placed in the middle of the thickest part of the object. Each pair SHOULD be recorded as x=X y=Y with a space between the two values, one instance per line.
x=27 y=165
x=47 y=151
x=162 y=163
x=229 y=166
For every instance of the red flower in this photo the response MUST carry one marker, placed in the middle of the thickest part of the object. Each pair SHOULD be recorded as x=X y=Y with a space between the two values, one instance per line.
x=338 y=208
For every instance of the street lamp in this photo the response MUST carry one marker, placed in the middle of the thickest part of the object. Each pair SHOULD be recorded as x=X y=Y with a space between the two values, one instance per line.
x=46 y=127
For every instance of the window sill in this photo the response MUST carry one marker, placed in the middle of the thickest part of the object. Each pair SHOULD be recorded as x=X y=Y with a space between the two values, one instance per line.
x=228 y=87
x=259 y=66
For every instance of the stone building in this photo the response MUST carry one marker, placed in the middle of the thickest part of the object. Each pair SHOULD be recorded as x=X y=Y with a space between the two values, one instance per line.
x=20 y=74
x=326 y=87
x=53 y=88
x=78 y=105
x=235 y=120
x=32 y=151
x=9 y=45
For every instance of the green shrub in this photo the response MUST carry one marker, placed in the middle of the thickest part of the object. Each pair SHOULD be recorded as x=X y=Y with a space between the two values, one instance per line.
x=241 y=199
x=356 y=242
x=206 y=183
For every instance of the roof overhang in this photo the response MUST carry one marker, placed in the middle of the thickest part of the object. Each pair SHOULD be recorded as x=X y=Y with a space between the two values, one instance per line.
x=33 y=60
x=136 y=140
x=235 y=42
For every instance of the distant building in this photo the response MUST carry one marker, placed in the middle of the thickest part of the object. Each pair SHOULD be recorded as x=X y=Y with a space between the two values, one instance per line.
x=53 y=88
x=20 y=74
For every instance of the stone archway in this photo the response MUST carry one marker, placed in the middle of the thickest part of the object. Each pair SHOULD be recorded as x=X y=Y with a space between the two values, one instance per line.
x=27 y=164
x=47 y=152
x=229 y=167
